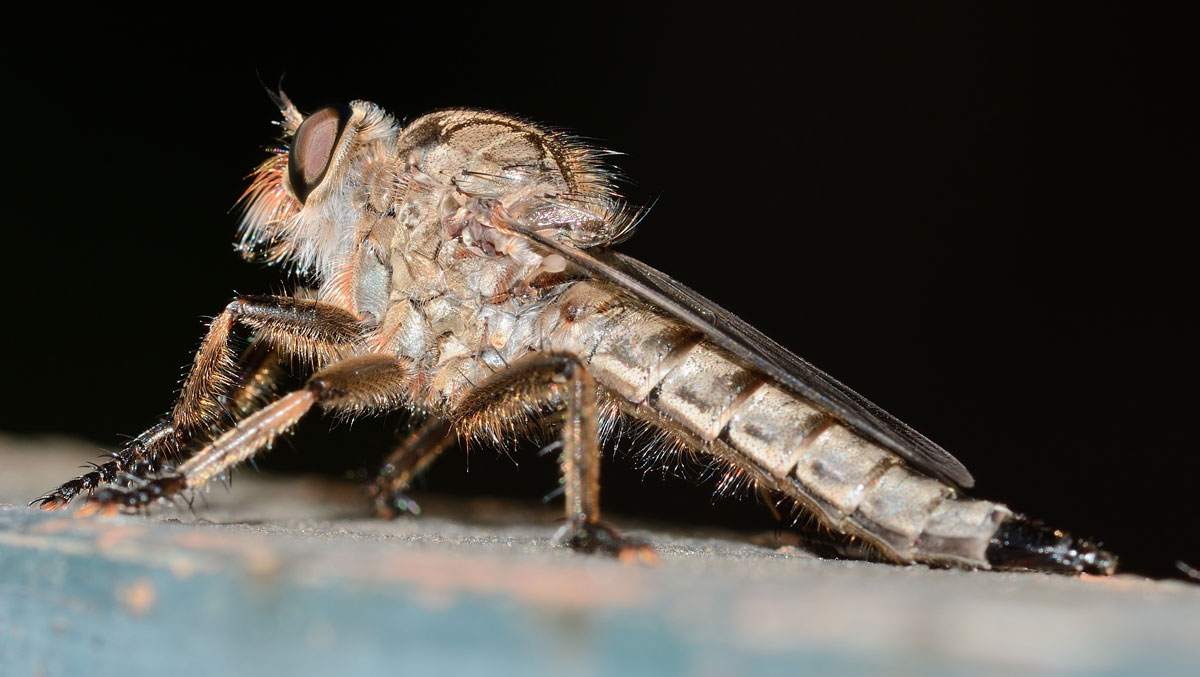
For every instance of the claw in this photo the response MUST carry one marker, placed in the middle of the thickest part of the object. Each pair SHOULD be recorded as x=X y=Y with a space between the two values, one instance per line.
x=604 y=540
x=52 y=501
x=61 y=496
x=391 y=504
x=110 y=500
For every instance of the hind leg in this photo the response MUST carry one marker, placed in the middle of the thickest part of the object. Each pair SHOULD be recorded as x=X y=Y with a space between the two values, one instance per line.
x=545 y=383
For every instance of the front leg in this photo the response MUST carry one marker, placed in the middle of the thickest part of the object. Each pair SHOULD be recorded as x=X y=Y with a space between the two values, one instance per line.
x=219 y=387
x=367 y=384
x=543 y=383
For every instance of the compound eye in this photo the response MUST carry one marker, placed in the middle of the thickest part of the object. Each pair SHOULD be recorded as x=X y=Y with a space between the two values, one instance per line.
x=312 y=148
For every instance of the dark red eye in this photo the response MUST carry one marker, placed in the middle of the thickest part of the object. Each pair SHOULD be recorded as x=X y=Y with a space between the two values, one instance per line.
x=313 y=146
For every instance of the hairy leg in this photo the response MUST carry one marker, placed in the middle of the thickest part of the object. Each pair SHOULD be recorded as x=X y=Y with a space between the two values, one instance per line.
x=260 y=370
x=310 y=332
x=418 y=450
x=353 y=387
x=538 y=385
x=220 y=386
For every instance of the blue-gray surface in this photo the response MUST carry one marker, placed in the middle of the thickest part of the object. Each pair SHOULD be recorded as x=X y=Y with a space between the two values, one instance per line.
x=289 y=576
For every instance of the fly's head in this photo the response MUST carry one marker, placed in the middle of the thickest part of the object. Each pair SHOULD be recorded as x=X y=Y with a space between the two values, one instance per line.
x=334 y=169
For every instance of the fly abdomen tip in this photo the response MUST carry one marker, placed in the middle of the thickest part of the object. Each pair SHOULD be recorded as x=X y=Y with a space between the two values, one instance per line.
x=1022 y=543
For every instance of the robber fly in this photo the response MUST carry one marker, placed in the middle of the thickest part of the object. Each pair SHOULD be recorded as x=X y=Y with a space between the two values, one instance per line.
x=462 y=271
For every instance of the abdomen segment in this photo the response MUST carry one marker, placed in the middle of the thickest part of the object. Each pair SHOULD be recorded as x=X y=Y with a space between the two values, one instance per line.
x=667 y=374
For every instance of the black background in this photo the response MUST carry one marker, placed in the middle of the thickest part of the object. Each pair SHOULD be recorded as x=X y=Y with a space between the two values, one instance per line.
x=975 y=217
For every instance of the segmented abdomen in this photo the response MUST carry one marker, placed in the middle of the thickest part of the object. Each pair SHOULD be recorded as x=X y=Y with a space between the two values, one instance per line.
x=666 y=373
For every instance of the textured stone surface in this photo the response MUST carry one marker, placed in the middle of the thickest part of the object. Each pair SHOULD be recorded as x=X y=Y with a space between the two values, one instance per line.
x=292 y=576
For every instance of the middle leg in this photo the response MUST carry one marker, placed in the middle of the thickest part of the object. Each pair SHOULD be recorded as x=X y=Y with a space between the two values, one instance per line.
x=416 y=453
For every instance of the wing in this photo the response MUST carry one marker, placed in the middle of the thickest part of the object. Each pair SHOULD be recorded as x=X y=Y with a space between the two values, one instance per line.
x=755 y=348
